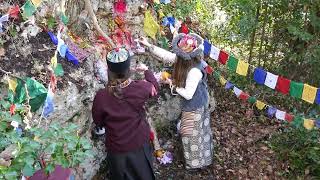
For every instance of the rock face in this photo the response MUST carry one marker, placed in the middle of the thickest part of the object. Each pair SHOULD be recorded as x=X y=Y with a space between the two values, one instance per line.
x=73 y=102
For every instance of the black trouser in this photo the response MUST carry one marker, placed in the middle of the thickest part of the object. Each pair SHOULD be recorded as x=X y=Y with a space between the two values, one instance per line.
x=133 y=165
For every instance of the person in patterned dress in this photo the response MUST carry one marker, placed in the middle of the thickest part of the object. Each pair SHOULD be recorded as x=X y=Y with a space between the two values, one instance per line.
x=190 y=82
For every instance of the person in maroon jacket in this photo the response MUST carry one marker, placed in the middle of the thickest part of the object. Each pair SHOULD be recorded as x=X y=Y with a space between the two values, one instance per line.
x=119 y=108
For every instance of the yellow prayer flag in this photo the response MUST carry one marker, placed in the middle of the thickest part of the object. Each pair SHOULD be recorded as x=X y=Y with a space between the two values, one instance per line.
x=223 y=81
x=54 y=60
x=242 y=68
x=150 y=25
x=260 y=105
x=308 y=124
x=309 y=93
x=161 y=14
x=12 y=84
x=36 y=3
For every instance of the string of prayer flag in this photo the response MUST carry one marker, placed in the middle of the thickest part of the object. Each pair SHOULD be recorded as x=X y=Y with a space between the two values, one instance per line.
x=262 y=77
x=271 y=111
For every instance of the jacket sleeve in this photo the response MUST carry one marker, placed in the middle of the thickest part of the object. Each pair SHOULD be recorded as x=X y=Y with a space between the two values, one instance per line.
x=150 y=78
x=163 y=55
x=97 y=111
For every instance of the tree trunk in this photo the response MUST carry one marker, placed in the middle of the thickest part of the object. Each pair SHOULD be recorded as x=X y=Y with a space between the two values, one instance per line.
x=253 y=35
x=262 y=40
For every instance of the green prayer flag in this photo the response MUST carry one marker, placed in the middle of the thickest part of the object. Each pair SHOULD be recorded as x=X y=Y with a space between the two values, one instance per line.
x=64 y=18
x=252 y=100
x=217 y=74
x=58 y=71
x=36 y=91
x=297 y=122
x=232 y=64
x=296 y=89
x=28 y=9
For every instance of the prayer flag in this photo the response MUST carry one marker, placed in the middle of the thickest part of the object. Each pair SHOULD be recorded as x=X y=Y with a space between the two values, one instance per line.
x=54 y=60
x=260 y=105
x=296 y=89
x=150 y=25
x=12 y=84
x=48 y=105
x=36 y=3
x=283 y=85
x=14 y=12
x=280 y=115
x=229 y=85
x=308 y=124
x=252 y=100
x=237 y=91
x=214 y=53
x=53 y=38
x=297 y=122
x=242 y=68
x=72 y=58
x=271 y=80
x=318 y=97
x=317 y=123
x=223 y=81
x=28 y=9
x=309 y=93
x=259 y=75
x=244 y=96
x=271 y=111
x=232 y=64
x=223 y=57
x=289 y=117
x=206 y=48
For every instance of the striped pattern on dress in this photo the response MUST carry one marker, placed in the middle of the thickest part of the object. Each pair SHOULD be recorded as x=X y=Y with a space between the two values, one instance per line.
x=187 y=123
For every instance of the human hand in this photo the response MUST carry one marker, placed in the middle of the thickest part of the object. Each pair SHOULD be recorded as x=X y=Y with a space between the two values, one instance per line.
x=144 y=41
x=141 y=67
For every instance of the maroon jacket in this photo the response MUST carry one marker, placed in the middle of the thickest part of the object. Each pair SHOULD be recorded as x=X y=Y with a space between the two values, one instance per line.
x=124 y=119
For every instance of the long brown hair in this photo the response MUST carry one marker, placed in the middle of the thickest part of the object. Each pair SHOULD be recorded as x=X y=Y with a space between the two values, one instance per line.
x=181 y=70
x=114 y=81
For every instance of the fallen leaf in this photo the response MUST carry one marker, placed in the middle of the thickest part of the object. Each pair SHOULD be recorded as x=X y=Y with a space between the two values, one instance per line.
x=2 y=52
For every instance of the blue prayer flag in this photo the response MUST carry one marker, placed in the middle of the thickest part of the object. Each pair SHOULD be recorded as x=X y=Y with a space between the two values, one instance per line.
x=207 y=48
x=318 y=97
x=229 y=85
x=53 y=38
x=271 y=111
x=259 y=75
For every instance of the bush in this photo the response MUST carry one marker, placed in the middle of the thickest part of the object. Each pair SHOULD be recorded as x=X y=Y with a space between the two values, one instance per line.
x=301 y=149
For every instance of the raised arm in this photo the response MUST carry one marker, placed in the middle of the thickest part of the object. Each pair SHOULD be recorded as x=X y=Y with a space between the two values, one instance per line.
x=163 y=55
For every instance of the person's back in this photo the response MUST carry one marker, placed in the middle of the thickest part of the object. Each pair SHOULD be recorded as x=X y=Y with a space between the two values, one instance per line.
x=125 y=118
x=119 y=108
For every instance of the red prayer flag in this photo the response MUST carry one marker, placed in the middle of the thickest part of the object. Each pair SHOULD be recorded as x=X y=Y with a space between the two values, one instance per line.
x=209 y=69
x=14 y=12
x=244 y=96
x=283 y=85
x=184 y=28
x=12 y=109
x=288 y=117
x=223 y=57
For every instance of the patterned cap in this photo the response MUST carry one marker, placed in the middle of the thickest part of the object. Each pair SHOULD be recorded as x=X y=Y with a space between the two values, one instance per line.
x=187 y=46
x=118 y=55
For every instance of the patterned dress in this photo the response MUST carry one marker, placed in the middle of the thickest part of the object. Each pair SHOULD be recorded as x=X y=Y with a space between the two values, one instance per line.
x=197 y=138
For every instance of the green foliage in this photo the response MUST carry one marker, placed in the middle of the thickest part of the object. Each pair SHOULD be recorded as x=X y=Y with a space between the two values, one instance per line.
x=38 y=147
x=301 y=148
